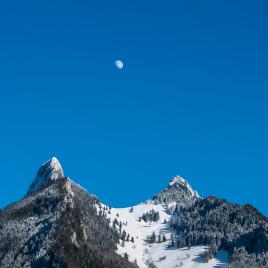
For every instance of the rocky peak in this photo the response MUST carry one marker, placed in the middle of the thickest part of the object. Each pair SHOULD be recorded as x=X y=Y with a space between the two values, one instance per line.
x=49 y=171
x=179 y=182
x=178 y=192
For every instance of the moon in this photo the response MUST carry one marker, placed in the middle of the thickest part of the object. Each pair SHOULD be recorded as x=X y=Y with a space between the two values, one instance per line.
x=119 y=64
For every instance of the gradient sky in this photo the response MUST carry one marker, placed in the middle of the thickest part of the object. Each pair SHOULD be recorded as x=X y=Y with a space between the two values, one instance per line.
x=191 y=99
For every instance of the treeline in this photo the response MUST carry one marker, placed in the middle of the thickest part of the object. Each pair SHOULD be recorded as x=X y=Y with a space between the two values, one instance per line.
x=240 y=230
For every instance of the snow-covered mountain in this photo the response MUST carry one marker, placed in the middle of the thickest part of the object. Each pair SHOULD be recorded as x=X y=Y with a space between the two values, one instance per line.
x=59 y=224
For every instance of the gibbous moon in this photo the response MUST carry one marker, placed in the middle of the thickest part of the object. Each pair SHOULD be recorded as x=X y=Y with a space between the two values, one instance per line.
x=119 y=64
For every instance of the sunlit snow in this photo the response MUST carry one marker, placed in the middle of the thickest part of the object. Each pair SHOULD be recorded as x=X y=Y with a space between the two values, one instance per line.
x=158 y=253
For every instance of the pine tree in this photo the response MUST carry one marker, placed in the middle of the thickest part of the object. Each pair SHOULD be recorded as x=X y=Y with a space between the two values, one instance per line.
x=164 y=239
x=172 y=241
x=120 y=227
x=126 y=256
x=151 y=239
x=124 y=234
x=159 y=239
x=115 y=222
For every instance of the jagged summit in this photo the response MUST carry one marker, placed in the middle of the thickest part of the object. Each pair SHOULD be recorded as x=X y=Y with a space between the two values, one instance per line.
x=177 y=191
x=178 y=181
x=49 y=171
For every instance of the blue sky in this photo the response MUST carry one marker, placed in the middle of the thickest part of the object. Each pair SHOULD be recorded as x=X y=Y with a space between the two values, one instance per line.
x=191 y=99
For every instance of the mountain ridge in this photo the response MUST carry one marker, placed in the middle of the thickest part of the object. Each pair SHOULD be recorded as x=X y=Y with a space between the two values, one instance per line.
x=59 y=224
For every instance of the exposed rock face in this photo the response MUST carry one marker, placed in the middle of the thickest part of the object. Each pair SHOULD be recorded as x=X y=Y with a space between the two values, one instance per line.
x=49 y=171
x=179 y=191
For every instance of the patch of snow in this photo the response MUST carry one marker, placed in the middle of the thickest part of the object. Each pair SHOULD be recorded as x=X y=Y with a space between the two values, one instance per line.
x=69 y=188
x=185 y=258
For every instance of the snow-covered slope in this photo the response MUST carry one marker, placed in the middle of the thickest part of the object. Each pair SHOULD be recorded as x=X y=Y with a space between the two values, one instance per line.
x=140 y=230
x=162 y=253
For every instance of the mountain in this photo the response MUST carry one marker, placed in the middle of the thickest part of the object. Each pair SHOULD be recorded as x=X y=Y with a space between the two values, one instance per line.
x=59 y=224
